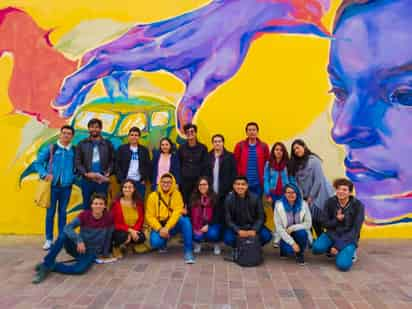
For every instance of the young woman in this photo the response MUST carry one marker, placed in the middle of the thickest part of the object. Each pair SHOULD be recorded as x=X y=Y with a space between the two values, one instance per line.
x=128 y=216
x=165 y=160
x=204 y=215
x=306 y=167
x=293 y=223
x=275 y=177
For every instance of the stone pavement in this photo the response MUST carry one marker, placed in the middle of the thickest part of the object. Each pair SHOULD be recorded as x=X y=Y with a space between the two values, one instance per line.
x=382 y=278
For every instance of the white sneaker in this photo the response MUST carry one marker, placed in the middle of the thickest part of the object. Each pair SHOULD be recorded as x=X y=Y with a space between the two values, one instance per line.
x=216 y=249
x=197 y=247
x=354 y=257
x=47 y=244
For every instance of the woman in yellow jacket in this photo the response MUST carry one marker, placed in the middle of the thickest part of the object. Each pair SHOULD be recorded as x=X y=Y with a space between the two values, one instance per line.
x=164 y=214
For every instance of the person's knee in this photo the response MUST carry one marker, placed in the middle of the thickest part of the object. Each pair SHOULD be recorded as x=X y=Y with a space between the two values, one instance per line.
x=156 y=241
x=213 y=234
x=229 y=238
x=301 y=234
x=318 y=247
x=343 y=263
x=265 y=236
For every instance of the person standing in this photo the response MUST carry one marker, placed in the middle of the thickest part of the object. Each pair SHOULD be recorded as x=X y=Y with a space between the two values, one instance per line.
x=133 y=162
x=194 y=162
x=251 y=155
x=94 y=162
x=165 y=160
x=306 y=167
x=56 y=164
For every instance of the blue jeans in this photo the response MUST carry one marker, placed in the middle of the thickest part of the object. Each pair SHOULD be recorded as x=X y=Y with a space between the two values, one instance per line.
x=183 y=226
x=300 y=237
x=212 y=234
x=89 y=187
x=229 y=238
x=82 y=263
x=60 y=195
x=344 y=258
x=256 y=189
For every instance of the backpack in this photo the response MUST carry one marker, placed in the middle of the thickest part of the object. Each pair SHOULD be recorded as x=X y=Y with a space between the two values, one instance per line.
x=249 y=251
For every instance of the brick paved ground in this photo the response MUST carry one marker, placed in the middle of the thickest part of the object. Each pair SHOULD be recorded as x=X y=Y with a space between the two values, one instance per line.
x=382 y=278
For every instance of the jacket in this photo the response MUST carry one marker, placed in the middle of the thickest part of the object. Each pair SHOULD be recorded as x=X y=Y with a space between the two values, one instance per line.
x=63 y=164
x=244 y=213
x=193 y=161
x=271 y=178
x=174 y=167
x=84 y=155
x=122 y=162
x=119 y=222
x=347 y=231
x=281 y=222
x=202 y=215
x=165 y=211
x=227 y=171
x=241 y=154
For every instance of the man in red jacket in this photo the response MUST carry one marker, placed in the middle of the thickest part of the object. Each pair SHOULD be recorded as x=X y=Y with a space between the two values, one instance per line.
x=251 y=155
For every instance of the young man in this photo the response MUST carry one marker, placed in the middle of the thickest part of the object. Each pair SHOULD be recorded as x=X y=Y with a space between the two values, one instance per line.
x=94 y=162
x=244 y=214
x=222 y=166
x=193 y=157
x=133 y=162
x=55 y=163
x=343 y=217
x=164 y=215
x=94 y=240
x=251 y=156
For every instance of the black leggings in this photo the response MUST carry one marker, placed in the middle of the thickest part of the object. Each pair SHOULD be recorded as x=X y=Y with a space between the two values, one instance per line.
x=120 y=237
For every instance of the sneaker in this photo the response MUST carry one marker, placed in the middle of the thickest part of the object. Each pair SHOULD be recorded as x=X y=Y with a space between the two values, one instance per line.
x=216 y=250
x=197 y=247
x=189 y=258
x=230 y=257
x=117 y=252
x=275 y=244
x=354 y=257
x=38 y=266
x=47 y=244
x=300 y=260
x=162 y=250
x=41 y=274
x=283 y=256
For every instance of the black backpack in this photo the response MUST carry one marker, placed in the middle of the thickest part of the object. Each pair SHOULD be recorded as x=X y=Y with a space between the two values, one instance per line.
x=249 y=251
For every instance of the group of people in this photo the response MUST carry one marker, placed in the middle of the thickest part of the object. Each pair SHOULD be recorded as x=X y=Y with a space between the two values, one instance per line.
x=207 y=196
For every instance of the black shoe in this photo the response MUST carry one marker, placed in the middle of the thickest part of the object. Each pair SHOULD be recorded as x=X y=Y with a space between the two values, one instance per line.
x=38 y=266
x=283 y=256
x=231 y=257
x=41 y=274
x=300 y=260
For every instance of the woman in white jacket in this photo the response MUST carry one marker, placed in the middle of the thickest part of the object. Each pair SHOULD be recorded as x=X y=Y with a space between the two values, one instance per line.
x=293 y=223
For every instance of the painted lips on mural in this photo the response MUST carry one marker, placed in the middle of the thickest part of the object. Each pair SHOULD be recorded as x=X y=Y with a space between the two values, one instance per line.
x=369 y=70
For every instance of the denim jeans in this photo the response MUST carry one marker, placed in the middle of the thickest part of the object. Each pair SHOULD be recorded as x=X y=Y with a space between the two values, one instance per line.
x=300 y=237
x=183 y=226
x=212 y=234
x=60 y=196
x=89 y=187
x=82 y=261
x=343 y=259
x=229 y=237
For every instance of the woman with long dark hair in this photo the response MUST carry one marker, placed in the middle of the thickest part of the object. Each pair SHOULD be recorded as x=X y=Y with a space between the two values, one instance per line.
x=128 y=216
x=204 y=215
x=165 y=160
x=306 y=167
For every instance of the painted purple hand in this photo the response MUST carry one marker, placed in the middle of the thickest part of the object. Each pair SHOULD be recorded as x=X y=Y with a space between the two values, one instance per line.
x=203 y=48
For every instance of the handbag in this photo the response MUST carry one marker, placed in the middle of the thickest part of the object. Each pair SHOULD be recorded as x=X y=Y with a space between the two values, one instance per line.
x=43 y=191
x=249 y=251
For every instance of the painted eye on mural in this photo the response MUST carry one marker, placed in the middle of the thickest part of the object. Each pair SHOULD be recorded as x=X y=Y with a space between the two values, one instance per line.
x=402 y=96
x=340 y=94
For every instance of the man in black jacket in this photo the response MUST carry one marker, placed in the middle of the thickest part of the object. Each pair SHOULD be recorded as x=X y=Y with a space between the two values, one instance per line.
x=194 y=161
x=133 y=162
x=222 y=166
x=244 y=214
x=94 y=161
x=342 y=216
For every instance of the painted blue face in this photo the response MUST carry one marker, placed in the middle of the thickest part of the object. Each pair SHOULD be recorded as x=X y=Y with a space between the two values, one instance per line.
x=370 y=69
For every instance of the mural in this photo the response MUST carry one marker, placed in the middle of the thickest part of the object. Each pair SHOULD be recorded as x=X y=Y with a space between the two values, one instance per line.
x=195 y=62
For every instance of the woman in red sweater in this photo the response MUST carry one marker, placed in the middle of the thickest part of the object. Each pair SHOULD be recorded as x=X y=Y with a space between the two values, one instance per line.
x=128 y=215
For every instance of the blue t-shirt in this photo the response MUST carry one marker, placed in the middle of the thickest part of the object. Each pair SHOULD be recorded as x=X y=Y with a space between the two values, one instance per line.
x=252 y=171
x=96 y=167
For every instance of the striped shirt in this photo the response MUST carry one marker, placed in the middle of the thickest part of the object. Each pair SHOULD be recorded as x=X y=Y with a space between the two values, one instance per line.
x=252 y=172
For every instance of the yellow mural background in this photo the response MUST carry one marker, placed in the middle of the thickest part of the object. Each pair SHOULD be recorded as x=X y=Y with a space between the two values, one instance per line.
x=282 y=85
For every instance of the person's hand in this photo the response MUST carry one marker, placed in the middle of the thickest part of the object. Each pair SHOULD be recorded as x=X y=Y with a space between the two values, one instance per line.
x=164 y=232
x=184 y=211
x=243 y=233
x=81 y=248
x=269 y=199
x=92 y=176
x=289 y=230
x=252 y=233
x=296 y=248
x=49 y=177
x=334 y=251
x=340 y=216
x=128 y=240
x=133 y=233
x=204 y=229
x=178 y=46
